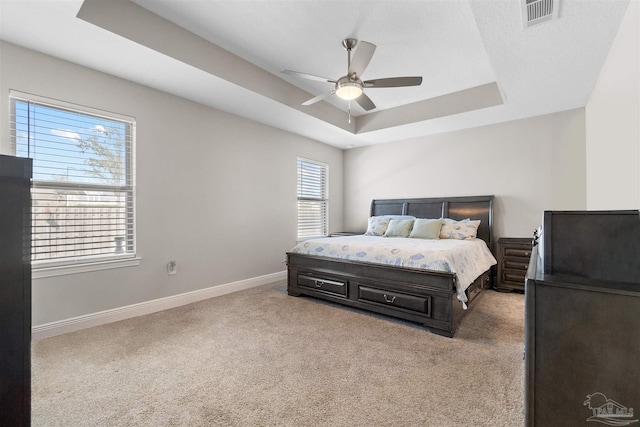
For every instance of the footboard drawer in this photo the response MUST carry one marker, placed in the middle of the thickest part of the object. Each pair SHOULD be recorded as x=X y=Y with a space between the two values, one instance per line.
x=395 y=299
x=480 y=283
x=321 y=284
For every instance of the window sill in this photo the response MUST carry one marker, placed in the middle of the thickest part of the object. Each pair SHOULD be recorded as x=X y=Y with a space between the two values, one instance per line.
x=42 y=271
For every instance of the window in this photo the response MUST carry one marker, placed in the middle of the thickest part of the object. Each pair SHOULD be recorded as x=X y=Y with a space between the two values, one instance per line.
x=83 y=180
x=312 y=199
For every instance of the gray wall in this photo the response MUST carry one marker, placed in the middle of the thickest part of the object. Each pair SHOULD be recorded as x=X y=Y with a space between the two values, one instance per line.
x=582 y=159
x=215 y=192
x=529 y=165
x=613 y=123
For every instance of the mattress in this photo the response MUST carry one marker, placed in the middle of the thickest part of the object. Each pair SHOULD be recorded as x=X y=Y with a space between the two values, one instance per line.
x=467 y=259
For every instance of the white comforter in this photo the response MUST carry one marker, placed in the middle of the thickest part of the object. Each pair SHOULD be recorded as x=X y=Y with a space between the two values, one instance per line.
x=468 y=259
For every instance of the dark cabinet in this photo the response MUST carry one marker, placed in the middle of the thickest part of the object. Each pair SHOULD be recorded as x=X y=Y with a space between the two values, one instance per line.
x=15 y=291
x=582 y=321
x=513 y=260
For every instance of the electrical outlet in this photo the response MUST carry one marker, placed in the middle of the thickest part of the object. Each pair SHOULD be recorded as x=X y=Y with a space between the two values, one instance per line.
x=171 y=268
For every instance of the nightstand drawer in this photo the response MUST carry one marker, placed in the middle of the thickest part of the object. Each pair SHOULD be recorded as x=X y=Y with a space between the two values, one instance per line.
x=517 y=264
x=517 y=252
x=514 y=276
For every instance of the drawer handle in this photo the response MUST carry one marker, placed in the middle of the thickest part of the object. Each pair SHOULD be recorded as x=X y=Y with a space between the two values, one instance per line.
x=319 y=283
x=389 y=300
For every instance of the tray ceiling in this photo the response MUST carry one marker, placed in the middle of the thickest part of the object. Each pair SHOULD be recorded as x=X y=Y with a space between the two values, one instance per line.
x=480 y=66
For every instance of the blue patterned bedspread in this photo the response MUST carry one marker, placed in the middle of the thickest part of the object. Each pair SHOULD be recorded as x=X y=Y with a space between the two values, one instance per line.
x=468 y=259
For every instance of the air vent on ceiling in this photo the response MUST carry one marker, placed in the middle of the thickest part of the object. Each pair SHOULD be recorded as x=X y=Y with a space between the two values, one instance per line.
x=537 y=11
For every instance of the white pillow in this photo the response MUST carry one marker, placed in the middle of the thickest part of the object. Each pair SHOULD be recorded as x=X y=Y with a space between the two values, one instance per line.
x=424 y=228
x=398 y=216
x=461 y=230
x=399 y=228
x=377 y=226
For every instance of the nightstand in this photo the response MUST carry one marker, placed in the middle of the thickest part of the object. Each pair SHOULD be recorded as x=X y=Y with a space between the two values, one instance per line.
x=345 y=233
x=513 y=261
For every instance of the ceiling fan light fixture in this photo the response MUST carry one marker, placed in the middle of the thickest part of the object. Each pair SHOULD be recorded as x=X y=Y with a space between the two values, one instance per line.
x=350 y=86
x=348 y=90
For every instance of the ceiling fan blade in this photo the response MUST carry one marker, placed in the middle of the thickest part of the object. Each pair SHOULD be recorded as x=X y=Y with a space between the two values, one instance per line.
x=318 y=98
x=365 y=102
x=361 y=57
x=308 y=76
x=394 y=82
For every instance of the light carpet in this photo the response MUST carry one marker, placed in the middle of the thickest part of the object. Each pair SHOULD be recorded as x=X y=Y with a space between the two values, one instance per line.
x=262 y=358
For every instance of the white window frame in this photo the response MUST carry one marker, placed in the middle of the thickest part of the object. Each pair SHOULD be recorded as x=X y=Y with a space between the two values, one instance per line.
x=317 y=195
x=86 y=263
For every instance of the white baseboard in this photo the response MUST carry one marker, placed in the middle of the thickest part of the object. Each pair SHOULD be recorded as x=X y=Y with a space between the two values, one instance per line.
x=103 y=317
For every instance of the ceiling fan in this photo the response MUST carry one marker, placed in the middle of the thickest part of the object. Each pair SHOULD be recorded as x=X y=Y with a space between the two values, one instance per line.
x=351 y=86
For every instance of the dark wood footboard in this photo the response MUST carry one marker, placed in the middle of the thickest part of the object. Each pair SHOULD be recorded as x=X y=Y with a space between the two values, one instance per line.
x=426 y=297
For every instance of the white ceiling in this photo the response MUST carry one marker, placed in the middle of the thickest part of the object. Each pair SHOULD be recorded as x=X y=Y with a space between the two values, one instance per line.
x=233 y=53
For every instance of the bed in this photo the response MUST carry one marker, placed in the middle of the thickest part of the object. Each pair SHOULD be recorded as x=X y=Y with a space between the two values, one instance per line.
x=411 y=291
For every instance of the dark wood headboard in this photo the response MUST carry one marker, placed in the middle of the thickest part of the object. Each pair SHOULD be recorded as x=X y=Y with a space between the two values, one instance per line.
x=474 y=207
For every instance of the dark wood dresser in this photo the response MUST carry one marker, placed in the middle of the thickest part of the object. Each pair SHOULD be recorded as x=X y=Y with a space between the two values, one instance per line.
x=582 y=321
x=513 y=259
x=15 y=291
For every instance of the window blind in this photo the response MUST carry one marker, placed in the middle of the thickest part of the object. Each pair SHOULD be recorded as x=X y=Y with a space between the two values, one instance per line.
x=83 y=179
x=312 y=198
